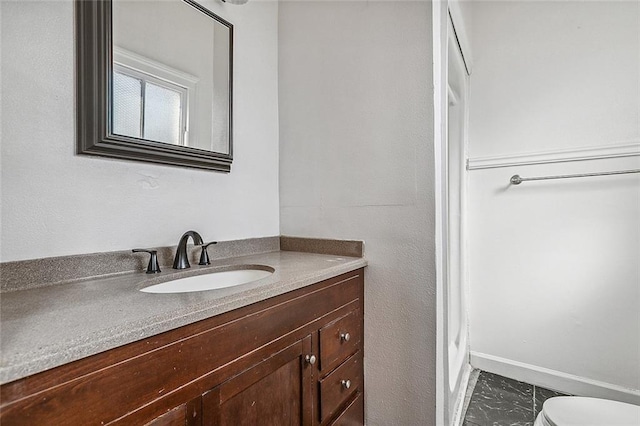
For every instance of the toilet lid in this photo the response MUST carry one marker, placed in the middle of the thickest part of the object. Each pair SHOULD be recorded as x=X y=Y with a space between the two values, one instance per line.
x=582 y=411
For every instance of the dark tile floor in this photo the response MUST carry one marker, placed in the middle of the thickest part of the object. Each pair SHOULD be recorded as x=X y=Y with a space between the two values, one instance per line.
x=499 y=401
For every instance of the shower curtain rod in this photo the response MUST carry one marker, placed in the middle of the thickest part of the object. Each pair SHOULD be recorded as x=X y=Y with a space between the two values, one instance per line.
x=517 y=179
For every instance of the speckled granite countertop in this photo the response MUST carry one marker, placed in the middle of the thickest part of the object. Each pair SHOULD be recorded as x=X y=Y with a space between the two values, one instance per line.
x=45 y=327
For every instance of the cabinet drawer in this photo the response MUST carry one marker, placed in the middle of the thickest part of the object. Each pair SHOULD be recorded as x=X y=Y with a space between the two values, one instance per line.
x=339 y=339
x=338 y=386
x=353 y=415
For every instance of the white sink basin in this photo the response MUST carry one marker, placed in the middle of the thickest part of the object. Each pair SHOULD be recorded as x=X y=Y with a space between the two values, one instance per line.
x=212 y=281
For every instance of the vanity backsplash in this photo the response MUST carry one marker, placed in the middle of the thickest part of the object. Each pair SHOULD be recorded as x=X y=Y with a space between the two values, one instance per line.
x=34 y=273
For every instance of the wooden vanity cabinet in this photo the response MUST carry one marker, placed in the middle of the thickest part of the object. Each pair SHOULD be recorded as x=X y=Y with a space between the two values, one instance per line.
x=294 y=359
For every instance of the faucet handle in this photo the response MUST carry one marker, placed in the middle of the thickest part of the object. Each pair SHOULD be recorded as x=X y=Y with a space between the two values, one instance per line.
x=204 y=256
x=152 y=267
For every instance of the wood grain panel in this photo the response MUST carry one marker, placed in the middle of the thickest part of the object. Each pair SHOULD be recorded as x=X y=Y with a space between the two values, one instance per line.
x=353 y=415
x=187 y=414
x=270 y=393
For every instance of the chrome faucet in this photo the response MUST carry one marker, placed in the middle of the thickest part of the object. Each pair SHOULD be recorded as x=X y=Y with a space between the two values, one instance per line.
x=182 y=259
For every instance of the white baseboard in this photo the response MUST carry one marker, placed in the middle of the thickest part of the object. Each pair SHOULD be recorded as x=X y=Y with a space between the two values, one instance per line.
x=552 y=379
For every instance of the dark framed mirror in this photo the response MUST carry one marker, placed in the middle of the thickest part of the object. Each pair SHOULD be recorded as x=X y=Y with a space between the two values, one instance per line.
x=154 y=82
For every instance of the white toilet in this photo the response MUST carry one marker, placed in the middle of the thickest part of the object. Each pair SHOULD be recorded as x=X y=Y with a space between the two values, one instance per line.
x=582 y=411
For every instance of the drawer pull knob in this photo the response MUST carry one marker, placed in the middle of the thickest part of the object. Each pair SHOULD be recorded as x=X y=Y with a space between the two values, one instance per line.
x=345 y=337
x=311 y=359
x=346 y=384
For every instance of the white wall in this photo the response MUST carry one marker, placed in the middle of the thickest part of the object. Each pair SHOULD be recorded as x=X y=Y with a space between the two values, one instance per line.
x=356 y=156
x=554 y=75
x=554 y=265
x=57 y=203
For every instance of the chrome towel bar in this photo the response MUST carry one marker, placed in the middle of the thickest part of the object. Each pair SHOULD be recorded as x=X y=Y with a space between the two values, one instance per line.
x=517 y=179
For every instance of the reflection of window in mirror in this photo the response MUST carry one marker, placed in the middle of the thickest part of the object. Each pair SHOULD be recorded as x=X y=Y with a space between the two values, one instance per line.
x=151 y=100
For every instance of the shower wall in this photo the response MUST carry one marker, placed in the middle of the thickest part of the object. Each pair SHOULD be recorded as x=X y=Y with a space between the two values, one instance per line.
x=554 y=275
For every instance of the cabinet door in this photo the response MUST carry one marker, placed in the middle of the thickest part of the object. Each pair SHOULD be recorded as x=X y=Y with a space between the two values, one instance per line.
x=275 y=392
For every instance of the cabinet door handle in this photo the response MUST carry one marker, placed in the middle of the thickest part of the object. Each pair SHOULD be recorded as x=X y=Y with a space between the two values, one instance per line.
x=311 y=359
x=345 y=337
x=346 y=384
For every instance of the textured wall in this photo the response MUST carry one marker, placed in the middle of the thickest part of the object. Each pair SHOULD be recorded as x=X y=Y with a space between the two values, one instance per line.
x=554 y=265
x=57 y=203
x=356 y=161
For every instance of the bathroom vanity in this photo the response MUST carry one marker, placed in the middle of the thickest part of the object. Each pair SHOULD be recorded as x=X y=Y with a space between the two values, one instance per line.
x=294 y=358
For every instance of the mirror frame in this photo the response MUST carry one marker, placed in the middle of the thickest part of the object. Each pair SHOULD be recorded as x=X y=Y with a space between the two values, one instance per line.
x=93 y=88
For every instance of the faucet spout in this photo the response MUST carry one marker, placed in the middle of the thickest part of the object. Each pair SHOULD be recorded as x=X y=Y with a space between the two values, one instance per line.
x=181 y=260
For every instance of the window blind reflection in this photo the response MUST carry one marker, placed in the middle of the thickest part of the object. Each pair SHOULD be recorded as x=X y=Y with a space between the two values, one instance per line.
x=127 y=105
